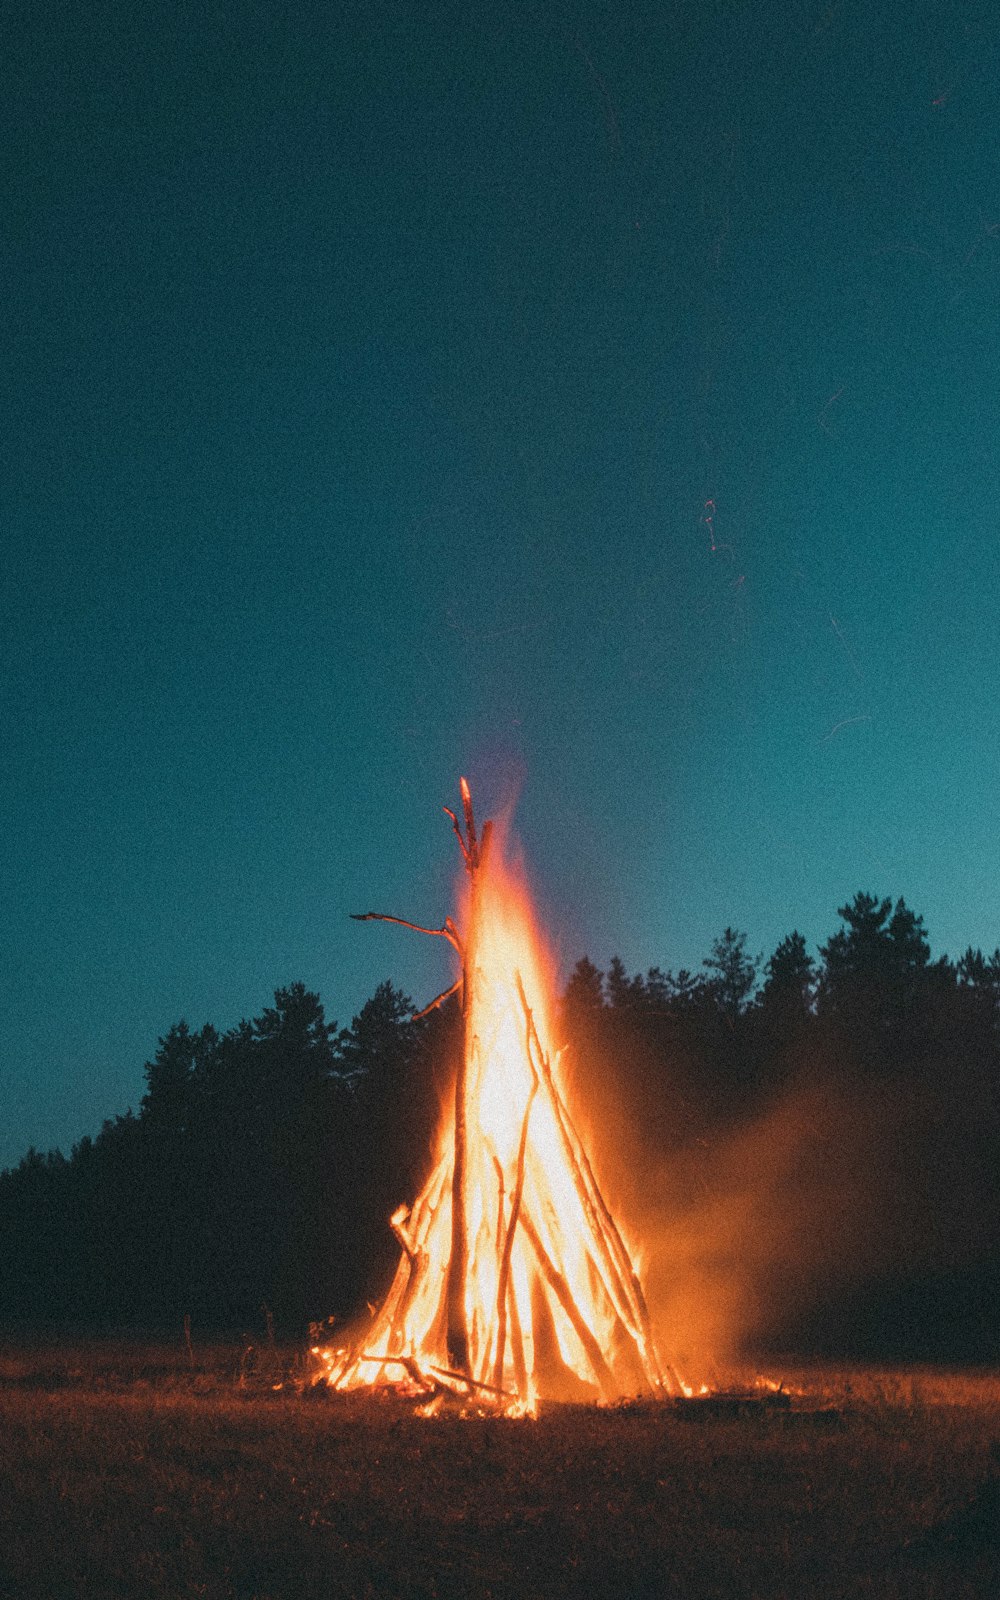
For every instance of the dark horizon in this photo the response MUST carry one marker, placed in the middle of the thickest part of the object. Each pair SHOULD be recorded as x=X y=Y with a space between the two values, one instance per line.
x=805 y=1168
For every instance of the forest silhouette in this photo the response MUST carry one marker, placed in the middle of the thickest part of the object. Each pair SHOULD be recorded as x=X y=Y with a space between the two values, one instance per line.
x=845 y=1106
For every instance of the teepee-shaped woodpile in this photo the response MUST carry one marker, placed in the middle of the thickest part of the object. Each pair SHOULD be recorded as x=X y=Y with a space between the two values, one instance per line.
x=514 y=1281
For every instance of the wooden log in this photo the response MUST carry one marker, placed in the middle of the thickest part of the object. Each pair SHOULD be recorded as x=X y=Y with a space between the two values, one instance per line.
x=629 y=1278
x=628 y=1272
x=498 y=1169
x=516 y=1335
x=476 y=857
x=426 y=1205
x=560 y=1288
x=473 y=1383
x=610 y=1273
x=397 y=1223
x=458 y=1260
x=508 y=1243
x=617 y=1273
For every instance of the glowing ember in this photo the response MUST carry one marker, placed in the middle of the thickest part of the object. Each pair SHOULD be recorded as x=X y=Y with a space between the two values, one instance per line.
x=514 y=1282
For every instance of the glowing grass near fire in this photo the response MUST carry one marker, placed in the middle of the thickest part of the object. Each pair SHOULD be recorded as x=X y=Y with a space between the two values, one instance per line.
x=514 y=1283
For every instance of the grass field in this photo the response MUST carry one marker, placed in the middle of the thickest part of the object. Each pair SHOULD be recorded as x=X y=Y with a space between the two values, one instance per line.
x=126 y=1473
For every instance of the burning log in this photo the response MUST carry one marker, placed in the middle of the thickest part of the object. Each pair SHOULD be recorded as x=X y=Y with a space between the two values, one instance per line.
x=473 y=1383
x=619 y=1277
x=514 y=1280
x=508 y=1242
x=476 y=855
x=559 y=1287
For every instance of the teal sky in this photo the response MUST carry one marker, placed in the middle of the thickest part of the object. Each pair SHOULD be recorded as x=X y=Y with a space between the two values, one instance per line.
x=601 y=400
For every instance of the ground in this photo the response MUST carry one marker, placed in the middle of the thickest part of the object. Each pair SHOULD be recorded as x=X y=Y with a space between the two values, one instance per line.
x=128 y=1472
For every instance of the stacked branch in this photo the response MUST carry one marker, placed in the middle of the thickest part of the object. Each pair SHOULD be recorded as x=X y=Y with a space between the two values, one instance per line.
x=421 y=1335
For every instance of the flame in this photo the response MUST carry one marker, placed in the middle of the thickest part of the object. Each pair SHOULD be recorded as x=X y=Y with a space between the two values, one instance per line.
x=548 y=1302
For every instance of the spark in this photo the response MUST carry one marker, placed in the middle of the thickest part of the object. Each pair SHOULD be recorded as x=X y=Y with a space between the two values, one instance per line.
x=846 y=722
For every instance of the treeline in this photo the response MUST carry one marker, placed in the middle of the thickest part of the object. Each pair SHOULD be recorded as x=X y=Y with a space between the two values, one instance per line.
x=831 y=1123
x=255 y=1179
x=873 y=1008
x=263 y=1163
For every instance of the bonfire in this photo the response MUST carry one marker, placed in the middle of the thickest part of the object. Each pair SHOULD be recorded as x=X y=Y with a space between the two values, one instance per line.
x=514 y=1282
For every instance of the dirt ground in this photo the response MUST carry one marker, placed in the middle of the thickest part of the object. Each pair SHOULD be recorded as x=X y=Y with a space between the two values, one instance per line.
x=126 y=1471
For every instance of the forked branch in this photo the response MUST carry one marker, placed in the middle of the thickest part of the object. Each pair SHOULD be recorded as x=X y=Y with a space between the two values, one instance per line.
x=472 y=847
x=448 y=931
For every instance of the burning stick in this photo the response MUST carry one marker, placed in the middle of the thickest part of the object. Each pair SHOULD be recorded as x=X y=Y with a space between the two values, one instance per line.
x=408 y=1363
x=521 y=1380
x=473 y=1383
x=559 y=1287
x=498 y=1169
x=416 y=1258
x=476 y=854
x=397 y=1223
x=508 y=1243
x=619 y=1277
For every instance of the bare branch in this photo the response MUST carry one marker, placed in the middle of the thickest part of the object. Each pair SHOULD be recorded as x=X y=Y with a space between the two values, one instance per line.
x=447 y=932
x=473 y=848
x=439 y=1000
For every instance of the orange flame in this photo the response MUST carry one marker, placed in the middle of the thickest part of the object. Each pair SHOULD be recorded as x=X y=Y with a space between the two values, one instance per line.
x=550 y=1298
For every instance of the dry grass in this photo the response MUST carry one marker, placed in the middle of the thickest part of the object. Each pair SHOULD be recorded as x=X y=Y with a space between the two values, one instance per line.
x=125 y=1474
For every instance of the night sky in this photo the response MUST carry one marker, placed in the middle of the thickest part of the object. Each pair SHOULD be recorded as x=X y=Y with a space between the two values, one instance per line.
x=602 y=400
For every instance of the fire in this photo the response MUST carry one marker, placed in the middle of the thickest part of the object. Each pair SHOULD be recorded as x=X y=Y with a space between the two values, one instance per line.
x=514 y=1283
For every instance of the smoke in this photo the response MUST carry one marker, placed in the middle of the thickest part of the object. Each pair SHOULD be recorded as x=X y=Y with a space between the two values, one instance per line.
x=771 y=1234
x=741 y=1231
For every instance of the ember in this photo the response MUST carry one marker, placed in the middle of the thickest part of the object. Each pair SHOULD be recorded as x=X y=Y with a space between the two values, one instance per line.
x=514 y=1283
